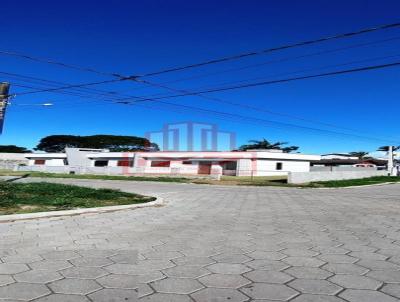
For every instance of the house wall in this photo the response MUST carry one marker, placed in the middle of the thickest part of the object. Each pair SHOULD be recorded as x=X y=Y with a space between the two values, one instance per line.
x=305 y=177
x=50 y=162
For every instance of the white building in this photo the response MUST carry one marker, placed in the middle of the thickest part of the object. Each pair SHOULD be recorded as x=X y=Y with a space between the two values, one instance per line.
x=246 y=163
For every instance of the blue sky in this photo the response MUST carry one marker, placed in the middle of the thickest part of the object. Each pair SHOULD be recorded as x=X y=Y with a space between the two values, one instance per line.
x=136 y=37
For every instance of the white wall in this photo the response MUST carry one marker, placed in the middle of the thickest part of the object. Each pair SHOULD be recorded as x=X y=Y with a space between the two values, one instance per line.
x=305 y=177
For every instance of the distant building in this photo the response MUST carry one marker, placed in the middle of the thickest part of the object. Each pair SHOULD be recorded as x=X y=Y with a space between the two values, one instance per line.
x=246 y=163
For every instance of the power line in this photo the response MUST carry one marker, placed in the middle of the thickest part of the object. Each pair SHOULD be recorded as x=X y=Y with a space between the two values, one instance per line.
x=263 y=83
x=273 y=49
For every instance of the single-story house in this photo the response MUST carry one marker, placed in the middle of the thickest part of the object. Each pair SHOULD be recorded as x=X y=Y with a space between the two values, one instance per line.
x=239 y=163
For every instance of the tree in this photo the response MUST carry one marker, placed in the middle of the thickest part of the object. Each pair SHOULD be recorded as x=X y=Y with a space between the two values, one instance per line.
x=386 y=148
x=116 y=143
x=264 y=144
x=359 y=154
x=13 y=149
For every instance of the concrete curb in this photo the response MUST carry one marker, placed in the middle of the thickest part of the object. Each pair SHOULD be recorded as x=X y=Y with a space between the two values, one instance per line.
x=29 y=216
x=355 y=187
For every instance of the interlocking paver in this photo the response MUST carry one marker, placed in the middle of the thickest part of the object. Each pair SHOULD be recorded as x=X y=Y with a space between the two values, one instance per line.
x=219 y=294
x=357 y=295
x=249 y=241
x=355 y=282
x=176 y=285
x=228 y=268
x=269 y=291
x=38 y=276
x=268 y=276
x=185 y=271
x=224 y=281
x=63 y=298
x=23 y=291
x=74 y=286
x=318 y=287
x=114 y=295
x=308 y=272
x=119 y=281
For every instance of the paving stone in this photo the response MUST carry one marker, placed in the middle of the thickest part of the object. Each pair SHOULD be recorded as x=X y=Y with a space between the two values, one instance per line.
x=186 y=271
x=299 y=253
x=195 y=261
x=355 y=282
x=50 y=265
x=368 y=255
x=37 y=276
x=345 y=268
x=224 y=281
x=228 y=268
x=163 y=255
x=91 y=261
x=5 y=279
x=304 y=261
x=392 y=289
x=385 y=276
x=96 y=253
x=63 y=298
x=219 y=295
x=84 y=272
x=264 y=264
x=74 y=286
x=316 y=298
x=12 y=268
x=60 y=255
x=159 y=297
x=23 y=291
x=318 y=287
x=268 y=276
x=269 y=291
x=266 y=255
x=176 y=285
x=231 y=258
x=338 y=258
x=378 y=265
x=128 y=258
x=18 y=258
x=119 y=281
x=308 y=272
x=114 y=295
x=357 y=295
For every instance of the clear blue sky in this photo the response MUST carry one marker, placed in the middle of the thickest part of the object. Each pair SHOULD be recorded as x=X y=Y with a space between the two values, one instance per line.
x=134 y=37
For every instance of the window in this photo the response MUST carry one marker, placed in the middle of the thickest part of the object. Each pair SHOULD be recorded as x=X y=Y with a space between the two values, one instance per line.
x=101 y=163
x=186 y=162
x=125 y=163
x=278 y=166
x=40 y=161
x=159 y=163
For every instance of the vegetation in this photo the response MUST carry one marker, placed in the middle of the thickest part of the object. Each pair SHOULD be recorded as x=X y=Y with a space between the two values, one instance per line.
x=386 y=148
x=116 y=143
x=39 y=197
x=359 y=154
x=354 y=182
x=264 y=144
x=93 y=176
x=13 y=149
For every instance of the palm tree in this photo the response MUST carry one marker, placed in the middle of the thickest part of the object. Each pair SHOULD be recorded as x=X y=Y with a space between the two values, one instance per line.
x=264 y=144
x=358 y=154
x=386 y=148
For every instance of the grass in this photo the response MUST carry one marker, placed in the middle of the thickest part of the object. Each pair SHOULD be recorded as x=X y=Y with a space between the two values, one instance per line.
x=246 y=181
x=93 y=176
x=353 y=182
x=16 y=198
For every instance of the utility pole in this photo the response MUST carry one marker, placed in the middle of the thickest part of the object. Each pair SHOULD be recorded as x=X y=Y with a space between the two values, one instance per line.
x=4 y=88
x=391 y=171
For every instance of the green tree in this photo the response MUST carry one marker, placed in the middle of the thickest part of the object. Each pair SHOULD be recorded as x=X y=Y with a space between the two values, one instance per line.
x=265 y=144
x=359 y=154
x=116 y=143
x=13 y=149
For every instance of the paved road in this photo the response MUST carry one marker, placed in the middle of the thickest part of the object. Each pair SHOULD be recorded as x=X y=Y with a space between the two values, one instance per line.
x=212 y=243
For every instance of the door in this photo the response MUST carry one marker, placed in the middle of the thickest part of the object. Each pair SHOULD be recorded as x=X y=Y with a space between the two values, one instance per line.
x=204 y=168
